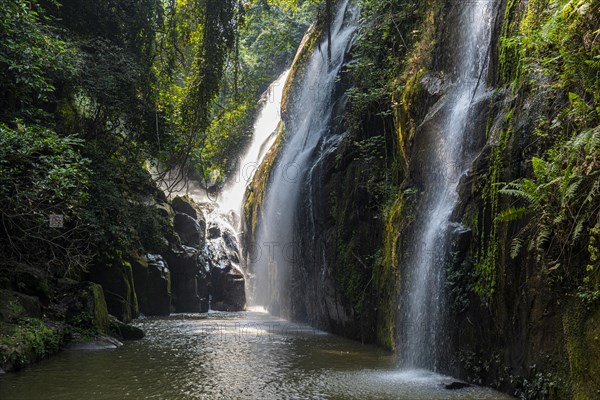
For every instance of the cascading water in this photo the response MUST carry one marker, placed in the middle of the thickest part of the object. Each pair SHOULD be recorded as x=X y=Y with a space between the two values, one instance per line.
x=223 y=209
x=307 y=129
x=423 y=302
x=232 y=195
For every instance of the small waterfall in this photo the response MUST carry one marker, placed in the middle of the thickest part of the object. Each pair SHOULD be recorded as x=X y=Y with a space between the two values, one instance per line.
x=224 y=209
x=232 y=195
x=306 y=132
x=445 y=153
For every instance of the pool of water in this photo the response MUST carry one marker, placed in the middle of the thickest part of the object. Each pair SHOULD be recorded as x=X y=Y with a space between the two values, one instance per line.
x=245 y=355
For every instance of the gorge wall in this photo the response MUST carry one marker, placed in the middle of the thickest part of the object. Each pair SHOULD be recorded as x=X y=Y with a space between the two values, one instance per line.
x=521 y=271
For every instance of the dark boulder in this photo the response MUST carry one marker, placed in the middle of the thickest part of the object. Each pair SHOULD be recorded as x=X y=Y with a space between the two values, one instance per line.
x=185 y=205
x=456 y=385
x=14 y=305
x=119 y=288
x=26 y=279
x=189 y=283
x=190 y=230
x=228 y=289
x=139 y=270
x=85 y=307
x=164 y=210
x=159 y=286
x=124 y=331
x=152 y=283
x=214 y=232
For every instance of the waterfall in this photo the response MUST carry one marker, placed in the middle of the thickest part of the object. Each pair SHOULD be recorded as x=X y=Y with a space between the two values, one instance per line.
x=306 y=131
x=423 y=303
x=224 y=209
x=231 y=197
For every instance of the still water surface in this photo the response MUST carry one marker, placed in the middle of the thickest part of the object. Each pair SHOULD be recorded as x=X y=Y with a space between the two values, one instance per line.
x=245 y=355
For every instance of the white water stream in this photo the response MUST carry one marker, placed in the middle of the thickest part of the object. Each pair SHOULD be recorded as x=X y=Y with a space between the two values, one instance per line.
x=424 y=308
x=307 y=128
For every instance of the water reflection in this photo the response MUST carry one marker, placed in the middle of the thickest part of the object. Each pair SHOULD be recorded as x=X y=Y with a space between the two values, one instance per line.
x=246 y=355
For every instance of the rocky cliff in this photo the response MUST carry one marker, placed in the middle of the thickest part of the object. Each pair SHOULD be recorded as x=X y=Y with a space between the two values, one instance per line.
x=522 y=270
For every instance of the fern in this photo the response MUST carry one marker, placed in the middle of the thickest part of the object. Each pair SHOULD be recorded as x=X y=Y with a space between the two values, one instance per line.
x=539 y=167
x=578 y=228
x=542 y=237
x=571 y=191
x=513 y=214
x=515 y=247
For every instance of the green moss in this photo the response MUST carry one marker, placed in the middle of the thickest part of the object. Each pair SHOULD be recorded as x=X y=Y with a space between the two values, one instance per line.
x=257 y=191
x=25 y=343
x=11 y=308
x=403 y=120
x=132 y=298
x=491 y=247
x=88 y=316
x=82 y=328
x=582 y=333
x=100 y=309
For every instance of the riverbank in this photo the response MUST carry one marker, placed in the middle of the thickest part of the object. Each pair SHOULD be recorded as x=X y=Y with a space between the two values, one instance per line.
x=40 y=315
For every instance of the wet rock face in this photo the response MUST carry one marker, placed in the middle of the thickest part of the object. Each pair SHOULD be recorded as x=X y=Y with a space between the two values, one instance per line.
x=228 y=290
x=203 y=263
x=214 y=232
x=189 y=221
x=190 y=230
x=119 y=289
x=221 y=257
x=87 y=298
x=189 y=282
x=185 y=205
x=152 y=280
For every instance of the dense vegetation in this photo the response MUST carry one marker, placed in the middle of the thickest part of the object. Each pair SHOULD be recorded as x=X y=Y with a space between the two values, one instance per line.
x=92 y=91
x=532 y=206
x=95 y=96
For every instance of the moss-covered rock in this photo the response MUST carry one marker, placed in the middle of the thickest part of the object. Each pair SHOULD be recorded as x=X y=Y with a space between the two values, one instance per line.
x=186 y=205
x=28 y=280
x=582 y=333
x=153 y=284
x=255 y=195
x=116 y=279
x=27 y=341
x=124 y=331
x=15 y=305
x=86 y=310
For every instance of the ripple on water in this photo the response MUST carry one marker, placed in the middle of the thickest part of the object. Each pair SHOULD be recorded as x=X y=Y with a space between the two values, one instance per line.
x=246 y=355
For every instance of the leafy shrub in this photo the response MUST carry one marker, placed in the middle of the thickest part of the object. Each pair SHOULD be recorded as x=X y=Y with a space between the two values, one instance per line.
x=32 y=56
x=42 y=173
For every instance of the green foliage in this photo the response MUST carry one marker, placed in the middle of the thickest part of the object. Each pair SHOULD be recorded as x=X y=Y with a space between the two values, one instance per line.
x=562 y=202
x=121 y=206
x=558 y=205
x=266 y=41
x=28 y=342
x=539 y=385
x=42 y=173
x=33 y=58
x=385 y=38
x=540 y=195
x=478 y=366
x=82 y=328
x=226 y=136
x=218 y=37
x=97 y=78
